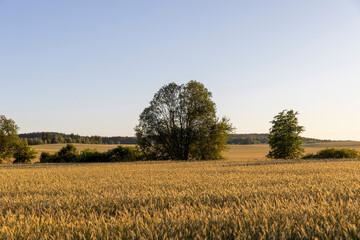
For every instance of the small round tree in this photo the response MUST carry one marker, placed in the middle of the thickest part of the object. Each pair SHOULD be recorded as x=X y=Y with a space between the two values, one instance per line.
x=67 y=153
x=24 y=153
x=284 y=138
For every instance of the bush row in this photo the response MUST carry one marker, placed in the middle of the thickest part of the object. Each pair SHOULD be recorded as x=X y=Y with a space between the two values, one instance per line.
x=70 y=154
x=334 y=153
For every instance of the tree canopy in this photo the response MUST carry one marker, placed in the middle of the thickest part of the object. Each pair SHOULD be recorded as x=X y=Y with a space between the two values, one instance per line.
x=9 y=138
x=181 y=124
x=284 y=138
x=24 y=153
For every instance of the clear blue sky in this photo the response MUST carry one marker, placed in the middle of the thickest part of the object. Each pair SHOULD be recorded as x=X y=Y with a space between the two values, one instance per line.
x=91 y=67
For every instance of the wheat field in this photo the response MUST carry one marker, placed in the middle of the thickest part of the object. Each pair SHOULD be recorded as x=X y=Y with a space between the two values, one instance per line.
x=236 y=198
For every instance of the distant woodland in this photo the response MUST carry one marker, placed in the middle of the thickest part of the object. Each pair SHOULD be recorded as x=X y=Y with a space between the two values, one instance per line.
x=261 y=138
x=39 y=138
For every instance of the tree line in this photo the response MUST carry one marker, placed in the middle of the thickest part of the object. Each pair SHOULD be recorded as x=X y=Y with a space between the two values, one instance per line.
x=262 y=138
x=38 y=138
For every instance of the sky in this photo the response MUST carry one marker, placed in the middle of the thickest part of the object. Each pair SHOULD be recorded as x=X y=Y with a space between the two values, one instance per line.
x=91 y=67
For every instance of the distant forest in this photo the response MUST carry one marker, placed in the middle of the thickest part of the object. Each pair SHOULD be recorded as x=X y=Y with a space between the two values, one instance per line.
x=54 y=137
x=38 y=138
x=261 y=138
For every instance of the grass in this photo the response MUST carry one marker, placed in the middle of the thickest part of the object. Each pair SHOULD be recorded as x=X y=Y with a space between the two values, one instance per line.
x=241 y=197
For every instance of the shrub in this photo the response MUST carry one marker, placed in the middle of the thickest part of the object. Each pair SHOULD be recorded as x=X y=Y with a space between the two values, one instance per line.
x=48 y=158
x=69 y=154
x=65 y=154
x=124 y=154
x=91 y=155
x=44 y=157
x=24 y=153
x=334 y=153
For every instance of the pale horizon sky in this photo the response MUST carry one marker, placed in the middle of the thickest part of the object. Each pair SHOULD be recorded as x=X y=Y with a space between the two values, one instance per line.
x=91 y=67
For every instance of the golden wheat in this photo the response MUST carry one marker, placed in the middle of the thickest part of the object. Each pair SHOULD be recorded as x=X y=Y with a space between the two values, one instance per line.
x=161 y=200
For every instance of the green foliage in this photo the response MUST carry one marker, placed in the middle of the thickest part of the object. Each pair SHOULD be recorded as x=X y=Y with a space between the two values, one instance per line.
x=65 y=154
x=69 y=154
x=91 y=155
x=24 y=153
x=124 y=154
x=44 y=156
x=284 y=138
x=38 y=138
x=181 y=124
x=334 y=153
x=262 y=138
x=9 y=138
x=212 y=140
x=245 y=139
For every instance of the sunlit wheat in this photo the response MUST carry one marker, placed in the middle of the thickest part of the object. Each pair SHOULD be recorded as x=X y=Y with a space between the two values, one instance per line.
x=160 y=200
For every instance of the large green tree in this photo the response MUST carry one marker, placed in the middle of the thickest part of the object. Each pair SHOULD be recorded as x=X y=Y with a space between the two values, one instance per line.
x=9 y=138
x=181 y=124
x=284 y=138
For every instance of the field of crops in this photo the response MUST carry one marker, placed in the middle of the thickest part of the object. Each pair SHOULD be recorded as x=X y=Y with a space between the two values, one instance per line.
x=244 y=196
